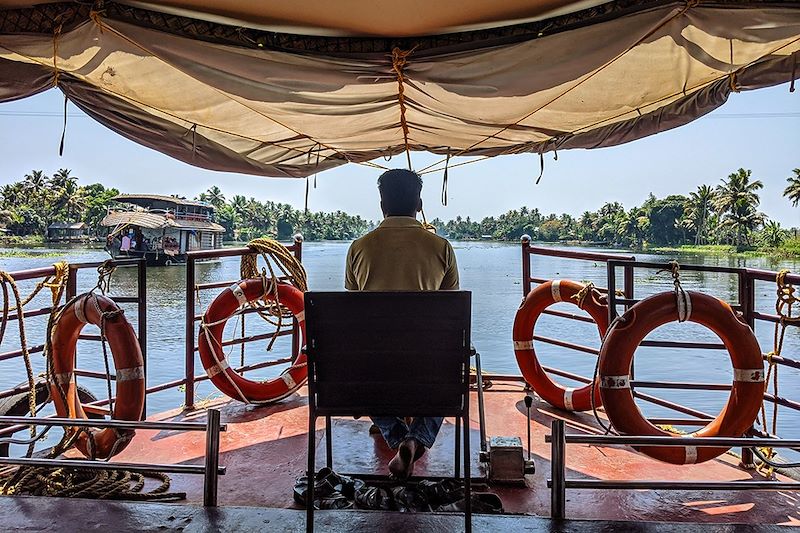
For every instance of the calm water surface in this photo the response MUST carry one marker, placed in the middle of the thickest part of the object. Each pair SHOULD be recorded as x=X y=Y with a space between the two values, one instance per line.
x=490 y=270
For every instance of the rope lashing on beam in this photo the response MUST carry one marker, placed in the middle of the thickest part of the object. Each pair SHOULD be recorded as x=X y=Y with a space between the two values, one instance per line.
x=399 y=62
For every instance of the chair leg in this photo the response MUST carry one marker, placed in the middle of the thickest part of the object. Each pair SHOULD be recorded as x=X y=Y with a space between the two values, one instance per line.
x=457 y=467
x=310 y=473
x=329 y=442
x=467 y=479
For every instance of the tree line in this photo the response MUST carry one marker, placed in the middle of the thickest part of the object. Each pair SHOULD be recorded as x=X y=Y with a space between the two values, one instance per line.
x=247 y=218
x=725 y=214
x=30 y=205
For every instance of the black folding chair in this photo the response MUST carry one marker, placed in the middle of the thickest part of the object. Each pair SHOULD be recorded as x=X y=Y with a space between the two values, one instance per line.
x=388 y=354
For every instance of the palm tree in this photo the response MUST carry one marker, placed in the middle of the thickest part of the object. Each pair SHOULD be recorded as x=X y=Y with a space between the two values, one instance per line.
x=61 y=178
x=698 y=211
x=35 y=183
x=13 y=194
x=239 y=204
x=736 y=200
x=773 y=235
x=792 y=191
x=72 y=199
x=213 y=196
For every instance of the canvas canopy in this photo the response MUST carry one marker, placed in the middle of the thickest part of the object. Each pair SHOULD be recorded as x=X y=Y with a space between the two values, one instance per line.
x=294 y=88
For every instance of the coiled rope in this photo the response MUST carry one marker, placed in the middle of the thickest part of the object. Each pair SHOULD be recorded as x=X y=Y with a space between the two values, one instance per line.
x=59 y=481
x=277 y=258
x=784 y=302
x=87 y=483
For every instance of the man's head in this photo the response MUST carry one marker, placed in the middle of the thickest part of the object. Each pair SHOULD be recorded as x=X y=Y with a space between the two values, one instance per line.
x=400 y=193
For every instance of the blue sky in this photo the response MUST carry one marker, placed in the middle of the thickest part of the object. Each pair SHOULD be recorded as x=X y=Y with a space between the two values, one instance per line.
x=739 y=134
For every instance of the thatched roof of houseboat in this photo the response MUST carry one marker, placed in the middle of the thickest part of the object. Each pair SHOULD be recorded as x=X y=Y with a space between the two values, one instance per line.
x=148 y=220
x=293 y=88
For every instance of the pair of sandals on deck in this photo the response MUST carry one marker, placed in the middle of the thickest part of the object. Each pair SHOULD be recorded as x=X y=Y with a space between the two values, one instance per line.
x=334 y=491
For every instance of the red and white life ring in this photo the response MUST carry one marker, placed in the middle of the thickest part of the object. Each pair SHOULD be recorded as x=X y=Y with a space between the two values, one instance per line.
x=128 y=364
x=625 y=335
x=543 y=296
x=213 y=357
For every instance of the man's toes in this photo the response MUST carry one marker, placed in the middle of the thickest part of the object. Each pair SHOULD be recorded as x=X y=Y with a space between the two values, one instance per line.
x=398 y=466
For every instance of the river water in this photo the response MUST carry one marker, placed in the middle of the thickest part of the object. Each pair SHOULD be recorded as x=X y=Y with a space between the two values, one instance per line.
x=492 y=271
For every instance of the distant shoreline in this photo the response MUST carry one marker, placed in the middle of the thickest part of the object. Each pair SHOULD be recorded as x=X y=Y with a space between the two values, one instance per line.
x=788 y=250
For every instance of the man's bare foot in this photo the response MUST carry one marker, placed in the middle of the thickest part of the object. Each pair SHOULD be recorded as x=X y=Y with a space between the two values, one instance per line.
x=402 y=465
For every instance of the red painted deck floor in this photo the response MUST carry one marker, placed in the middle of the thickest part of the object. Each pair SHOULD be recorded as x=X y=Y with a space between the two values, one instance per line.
x=264 y=451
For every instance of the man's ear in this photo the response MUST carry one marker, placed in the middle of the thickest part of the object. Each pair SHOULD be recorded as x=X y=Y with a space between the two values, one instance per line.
x=419 y=207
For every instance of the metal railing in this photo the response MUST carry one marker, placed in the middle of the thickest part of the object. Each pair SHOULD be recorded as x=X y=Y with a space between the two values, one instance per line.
x=210 y=469
x=746 y=304
x=193 y=290
x=140 y=299
x=559 y=483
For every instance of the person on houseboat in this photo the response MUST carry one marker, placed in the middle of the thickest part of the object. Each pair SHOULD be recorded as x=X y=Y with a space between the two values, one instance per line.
x=401 y=255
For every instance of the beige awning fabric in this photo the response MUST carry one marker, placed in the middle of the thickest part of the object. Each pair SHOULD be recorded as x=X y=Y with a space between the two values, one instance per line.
x=238 y=99
x=156 y=221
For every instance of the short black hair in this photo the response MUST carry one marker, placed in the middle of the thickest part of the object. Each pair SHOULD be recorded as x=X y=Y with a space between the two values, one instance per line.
x=400 y=191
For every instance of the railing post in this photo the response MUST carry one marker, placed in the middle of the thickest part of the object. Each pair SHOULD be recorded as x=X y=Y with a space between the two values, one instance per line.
x=526 y=265
x=558 y=470
x=141 y=308
x=747 y=301
x=189 y=354
x=611 y=284
x=72 y=282
x=628 y=290
x=298 y=253
x=212 y=458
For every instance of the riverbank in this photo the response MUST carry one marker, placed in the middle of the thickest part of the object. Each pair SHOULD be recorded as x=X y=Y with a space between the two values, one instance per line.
x=20 y=240
x=789 y=249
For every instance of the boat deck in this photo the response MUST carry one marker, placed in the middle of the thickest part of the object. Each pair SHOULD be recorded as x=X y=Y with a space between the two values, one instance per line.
x=264 y=451
x=26 y=513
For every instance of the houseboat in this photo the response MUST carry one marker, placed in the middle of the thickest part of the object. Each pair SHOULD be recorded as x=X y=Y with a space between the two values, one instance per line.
x=161 y=229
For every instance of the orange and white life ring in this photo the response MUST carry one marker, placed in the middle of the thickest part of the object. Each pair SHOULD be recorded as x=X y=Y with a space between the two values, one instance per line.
x=213 y=358
x=128 y=364
x=543 y=296
x=625 y=335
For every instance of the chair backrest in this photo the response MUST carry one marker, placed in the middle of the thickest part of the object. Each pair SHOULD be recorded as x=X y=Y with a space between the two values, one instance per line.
x=388 y=353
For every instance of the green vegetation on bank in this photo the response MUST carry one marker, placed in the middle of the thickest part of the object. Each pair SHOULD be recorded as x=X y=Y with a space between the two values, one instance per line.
x=723 y=219
x=247 y=218
x=28 y=254
x=29 y=206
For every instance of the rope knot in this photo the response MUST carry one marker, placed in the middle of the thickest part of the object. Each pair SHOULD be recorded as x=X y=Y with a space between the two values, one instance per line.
x=580 y=296
x=104 y=272
x=682 y=299
x=733 y=82
x=95 y=15
x=399 y=60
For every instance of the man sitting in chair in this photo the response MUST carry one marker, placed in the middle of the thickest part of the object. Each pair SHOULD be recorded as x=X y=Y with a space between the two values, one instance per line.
x=401 y=255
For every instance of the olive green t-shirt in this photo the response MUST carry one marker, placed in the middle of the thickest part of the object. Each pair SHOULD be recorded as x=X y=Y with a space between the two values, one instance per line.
x=401 y=255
